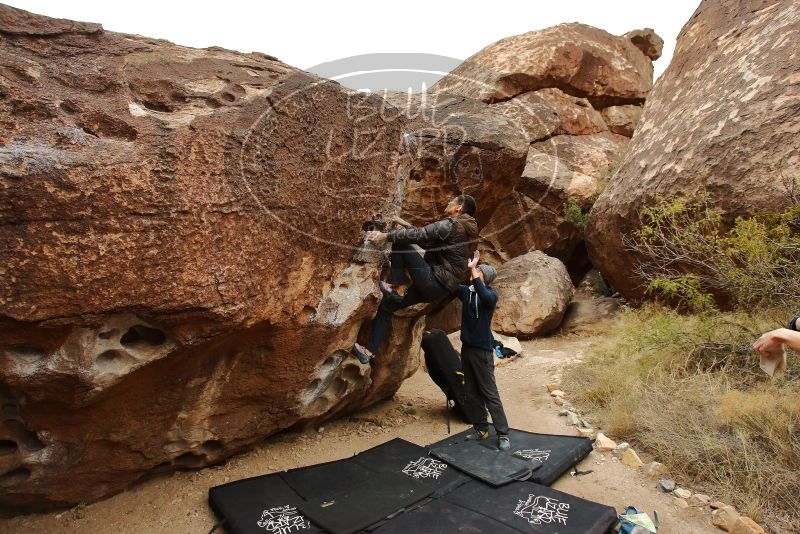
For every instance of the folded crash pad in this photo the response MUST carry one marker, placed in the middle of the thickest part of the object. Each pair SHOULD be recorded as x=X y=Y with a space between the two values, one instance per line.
x=556 y=453
x=484 y=461
x=401 y=456
x=528 y=507
x=382 y=496
x=443 y=363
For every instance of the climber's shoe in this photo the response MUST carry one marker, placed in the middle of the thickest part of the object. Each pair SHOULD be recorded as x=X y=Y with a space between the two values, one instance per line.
x=363 y=355
x=390 y=292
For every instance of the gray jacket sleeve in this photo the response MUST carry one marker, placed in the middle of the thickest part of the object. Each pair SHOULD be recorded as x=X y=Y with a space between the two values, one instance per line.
x=432 y=233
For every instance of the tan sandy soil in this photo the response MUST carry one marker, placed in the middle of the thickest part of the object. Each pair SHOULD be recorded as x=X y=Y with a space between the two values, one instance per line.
x=177 y=503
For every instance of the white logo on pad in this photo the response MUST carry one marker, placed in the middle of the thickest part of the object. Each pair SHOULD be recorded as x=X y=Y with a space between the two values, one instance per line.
x=425 y=467
x=534 y=454
x=283 y=520
x=541 y=510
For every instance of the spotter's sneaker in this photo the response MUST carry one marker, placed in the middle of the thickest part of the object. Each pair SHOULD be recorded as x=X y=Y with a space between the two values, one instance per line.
x=478 y=435
x=503 y=443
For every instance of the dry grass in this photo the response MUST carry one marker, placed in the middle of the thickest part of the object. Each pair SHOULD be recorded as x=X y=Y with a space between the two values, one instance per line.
x=688 y=390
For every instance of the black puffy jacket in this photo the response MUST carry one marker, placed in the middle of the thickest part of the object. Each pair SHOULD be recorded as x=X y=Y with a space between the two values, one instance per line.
x=447 y=246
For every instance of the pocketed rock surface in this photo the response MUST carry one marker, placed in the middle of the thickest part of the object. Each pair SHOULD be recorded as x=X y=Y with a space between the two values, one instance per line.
x=178 y=228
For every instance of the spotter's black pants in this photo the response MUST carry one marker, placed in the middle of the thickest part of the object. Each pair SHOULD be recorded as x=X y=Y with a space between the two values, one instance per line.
x=478 y=366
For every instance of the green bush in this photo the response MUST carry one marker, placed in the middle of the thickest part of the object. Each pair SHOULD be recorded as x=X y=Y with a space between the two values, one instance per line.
x=573 y=214
x=691 y=258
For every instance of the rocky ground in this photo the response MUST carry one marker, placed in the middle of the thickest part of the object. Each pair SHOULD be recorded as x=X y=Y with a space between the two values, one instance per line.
x=177 y=503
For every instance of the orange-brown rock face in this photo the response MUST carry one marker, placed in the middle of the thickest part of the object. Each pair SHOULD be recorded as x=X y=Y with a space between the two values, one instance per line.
x=724 y=117
x=576 y=58
x=177 y=233
x=460 y=145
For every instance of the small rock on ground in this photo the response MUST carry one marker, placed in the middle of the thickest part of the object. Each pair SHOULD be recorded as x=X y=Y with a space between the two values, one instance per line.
x=745 y=525
x=666 y=485
x=603 y=443
x=630 y=458
x=620 y=449
x=654 y=469
x=698 y=499
x=724 y=518
x=573 y=419
x=683 y=493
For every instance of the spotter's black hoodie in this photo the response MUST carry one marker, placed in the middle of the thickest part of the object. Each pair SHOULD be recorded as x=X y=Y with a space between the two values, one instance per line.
x=477 y=307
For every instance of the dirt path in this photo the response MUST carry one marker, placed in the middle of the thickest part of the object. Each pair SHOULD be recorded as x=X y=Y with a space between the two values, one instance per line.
x=177 y=503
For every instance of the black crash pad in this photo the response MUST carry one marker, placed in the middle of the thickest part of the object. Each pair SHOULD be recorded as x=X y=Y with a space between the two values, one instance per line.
x=275 y=503
x=556 y=453
x=259 y=505
x=401 y=456
x=484 y=461
x=323 y=480
x=442 y=517
x=528 y=507
x=383 y=495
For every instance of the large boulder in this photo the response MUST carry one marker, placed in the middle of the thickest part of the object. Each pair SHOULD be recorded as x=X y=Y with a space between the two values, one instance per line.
x=534 y=291
x=579 y=59
x=647 y=41
x=178 y=228
x=577 y=91
x=723 y=118
x=460 y=145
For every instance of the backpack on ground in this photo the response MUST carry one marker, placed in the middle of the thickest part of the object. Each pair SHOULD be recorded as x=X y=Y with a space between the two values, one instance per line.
x=632 y=521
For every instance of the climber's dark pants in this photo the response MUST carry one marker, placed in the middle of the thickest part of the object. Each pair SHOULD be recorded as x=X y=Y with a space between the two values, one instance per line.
x=478 y=367
x=424 y=288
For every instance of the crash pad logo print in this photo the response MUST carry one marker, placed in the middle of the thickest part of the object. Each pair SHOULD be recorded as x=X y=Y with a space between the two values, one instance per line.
x=425 y=467
x=541 y=510
x=541 y=455
x=283 y=520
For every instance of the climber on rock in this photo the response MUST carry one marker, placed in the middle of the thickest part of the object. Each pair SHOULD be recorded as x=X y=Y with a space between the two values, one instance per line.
x=433 y=276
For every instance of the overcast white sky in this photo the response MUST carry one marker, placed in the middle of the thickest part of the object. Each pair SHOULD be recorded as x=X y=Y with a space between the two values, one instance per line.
x=304 y=34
